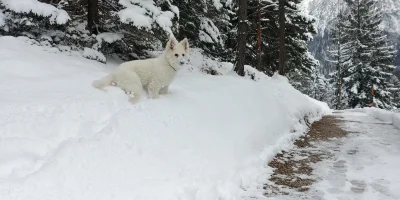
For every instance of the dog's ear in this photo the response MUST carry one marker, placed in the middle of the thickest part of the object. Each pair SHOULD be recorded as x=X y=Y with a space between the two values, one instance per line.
x=185 y=43
x=171 y=44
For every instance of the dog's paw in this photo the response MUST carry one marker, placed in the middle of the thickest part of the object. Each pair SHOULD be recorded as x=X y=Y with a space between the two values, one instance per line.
x=155 y=97
x=128 y=92
x=113 y=83
x=132 y=100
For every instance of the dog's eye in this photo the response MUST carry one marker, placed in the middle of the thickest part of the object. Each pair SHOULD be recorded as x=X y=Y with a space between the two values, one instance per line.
x=183 y=54
x=176 y=55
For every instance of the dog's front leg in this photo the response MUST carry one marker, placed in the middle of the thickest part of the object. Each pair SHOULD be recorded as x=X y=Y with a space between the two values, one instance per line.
x=154 y=89
x=164 y=90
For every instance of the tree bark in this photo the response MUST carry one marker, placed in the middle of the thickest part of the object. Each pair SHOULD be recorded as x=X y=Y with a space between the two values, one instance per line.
x=259 y=36
x=93 y=16
x=339 y=66
x=242 y=36
x=282 y=47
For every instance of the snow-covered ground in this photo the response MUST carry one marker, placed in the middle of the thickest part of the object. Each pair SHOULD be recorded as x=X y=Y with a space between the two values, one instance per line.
x=210 y=138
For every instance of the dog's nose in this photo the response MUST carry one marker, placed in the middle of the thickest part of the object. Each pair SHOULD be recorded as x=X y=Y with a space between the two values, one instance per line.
x=182 y=62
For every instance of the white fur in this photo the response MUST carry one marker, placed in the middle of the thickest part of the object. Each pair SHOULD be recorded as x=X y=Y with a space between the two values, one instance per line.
x=155 y=74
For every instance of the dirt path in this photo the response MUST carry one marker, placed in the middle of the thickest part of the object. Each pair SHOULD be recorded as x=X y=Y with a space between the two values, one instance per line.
x=341 y=157
x=293 y=169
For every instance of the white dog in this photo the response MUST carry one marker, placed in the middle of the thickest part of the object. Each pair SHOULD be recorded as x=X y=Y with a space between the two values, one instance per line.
x=155 y=74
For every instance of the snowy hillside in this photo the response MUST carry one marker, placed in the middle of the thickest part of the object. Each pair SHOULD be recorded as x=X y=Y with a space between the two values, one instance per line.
x=209 y=138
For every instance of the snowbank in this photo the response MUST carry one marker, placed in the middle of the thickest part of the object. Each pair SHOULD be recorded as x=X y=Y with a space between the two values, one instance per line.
x=56 y=15
x=396 y=120
x=201 y=63
x=93 y=55
x=384 y=115
x=210 y=138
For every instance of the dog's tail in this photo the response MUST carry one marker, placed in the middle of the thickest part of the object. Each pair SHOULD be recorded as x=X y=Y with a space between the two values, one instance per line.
x=103 y=82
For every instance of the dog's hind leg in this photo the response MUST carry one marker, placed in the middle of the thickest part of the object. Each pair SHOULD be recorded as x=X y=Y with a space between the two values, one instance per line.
x=130 y=83
x=164 y=90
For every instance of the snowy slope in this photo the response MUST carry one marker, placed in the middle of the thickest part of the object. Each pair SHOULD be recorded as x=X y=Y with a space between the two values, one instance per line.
x=209 y=138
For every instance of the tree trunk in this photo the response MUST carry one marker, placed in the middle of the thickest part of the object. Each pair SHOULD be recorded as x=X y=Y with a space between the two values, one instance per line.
x=93 y=16
x=259 y=36
x=282 y=48
x=242 y=36
x=339 y=66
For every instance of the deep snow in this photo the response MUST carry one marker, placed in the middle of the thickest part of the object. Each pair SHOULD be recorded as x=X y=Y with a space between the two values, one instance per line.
x=209 y=138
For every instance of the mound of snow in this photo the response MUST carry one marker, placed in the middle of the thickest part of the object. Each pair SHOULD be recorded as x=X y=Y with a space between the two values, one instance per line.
x=93 y=55
x=56 y=15
x=209 y=138
x=384 y=115
x=396 y=120
x=109 y=37
x=198 y=62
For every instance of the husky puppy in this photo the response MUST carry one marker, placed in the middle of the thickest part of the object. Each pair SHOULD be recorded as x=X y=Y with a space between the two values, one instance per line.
x=155 y=74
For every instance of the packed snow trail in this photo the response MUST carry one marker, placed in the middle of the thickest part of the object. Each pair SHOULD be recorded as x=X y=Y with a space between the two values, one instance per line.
x=208 y=139
x=367 y=165
x=364 y=165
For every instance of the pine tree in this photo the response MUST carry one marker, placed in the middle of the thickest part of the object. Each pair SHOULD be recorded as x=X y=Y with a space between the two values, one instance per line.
x=339 y=54
x=208 y=25
x=242 y=37
x=365 y=80
x=395 y=90
x=299 y=29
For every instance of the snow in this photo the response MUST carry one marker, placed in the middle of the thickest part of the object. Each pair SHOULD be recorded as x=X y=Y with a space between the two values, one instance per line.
x=396 y=120
x=361 y=166
x=135 y=15
x=93 y=54
x=56 y=15
x=228 y=3
x=217 y=4
x=144 y=13
x=209 y=33
x=109 y=37
x=384 y=115
x=326 y=10
x=164 y=20
x=2 y=19
x=356 y=172
x=201 y=63
x=209 y=138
